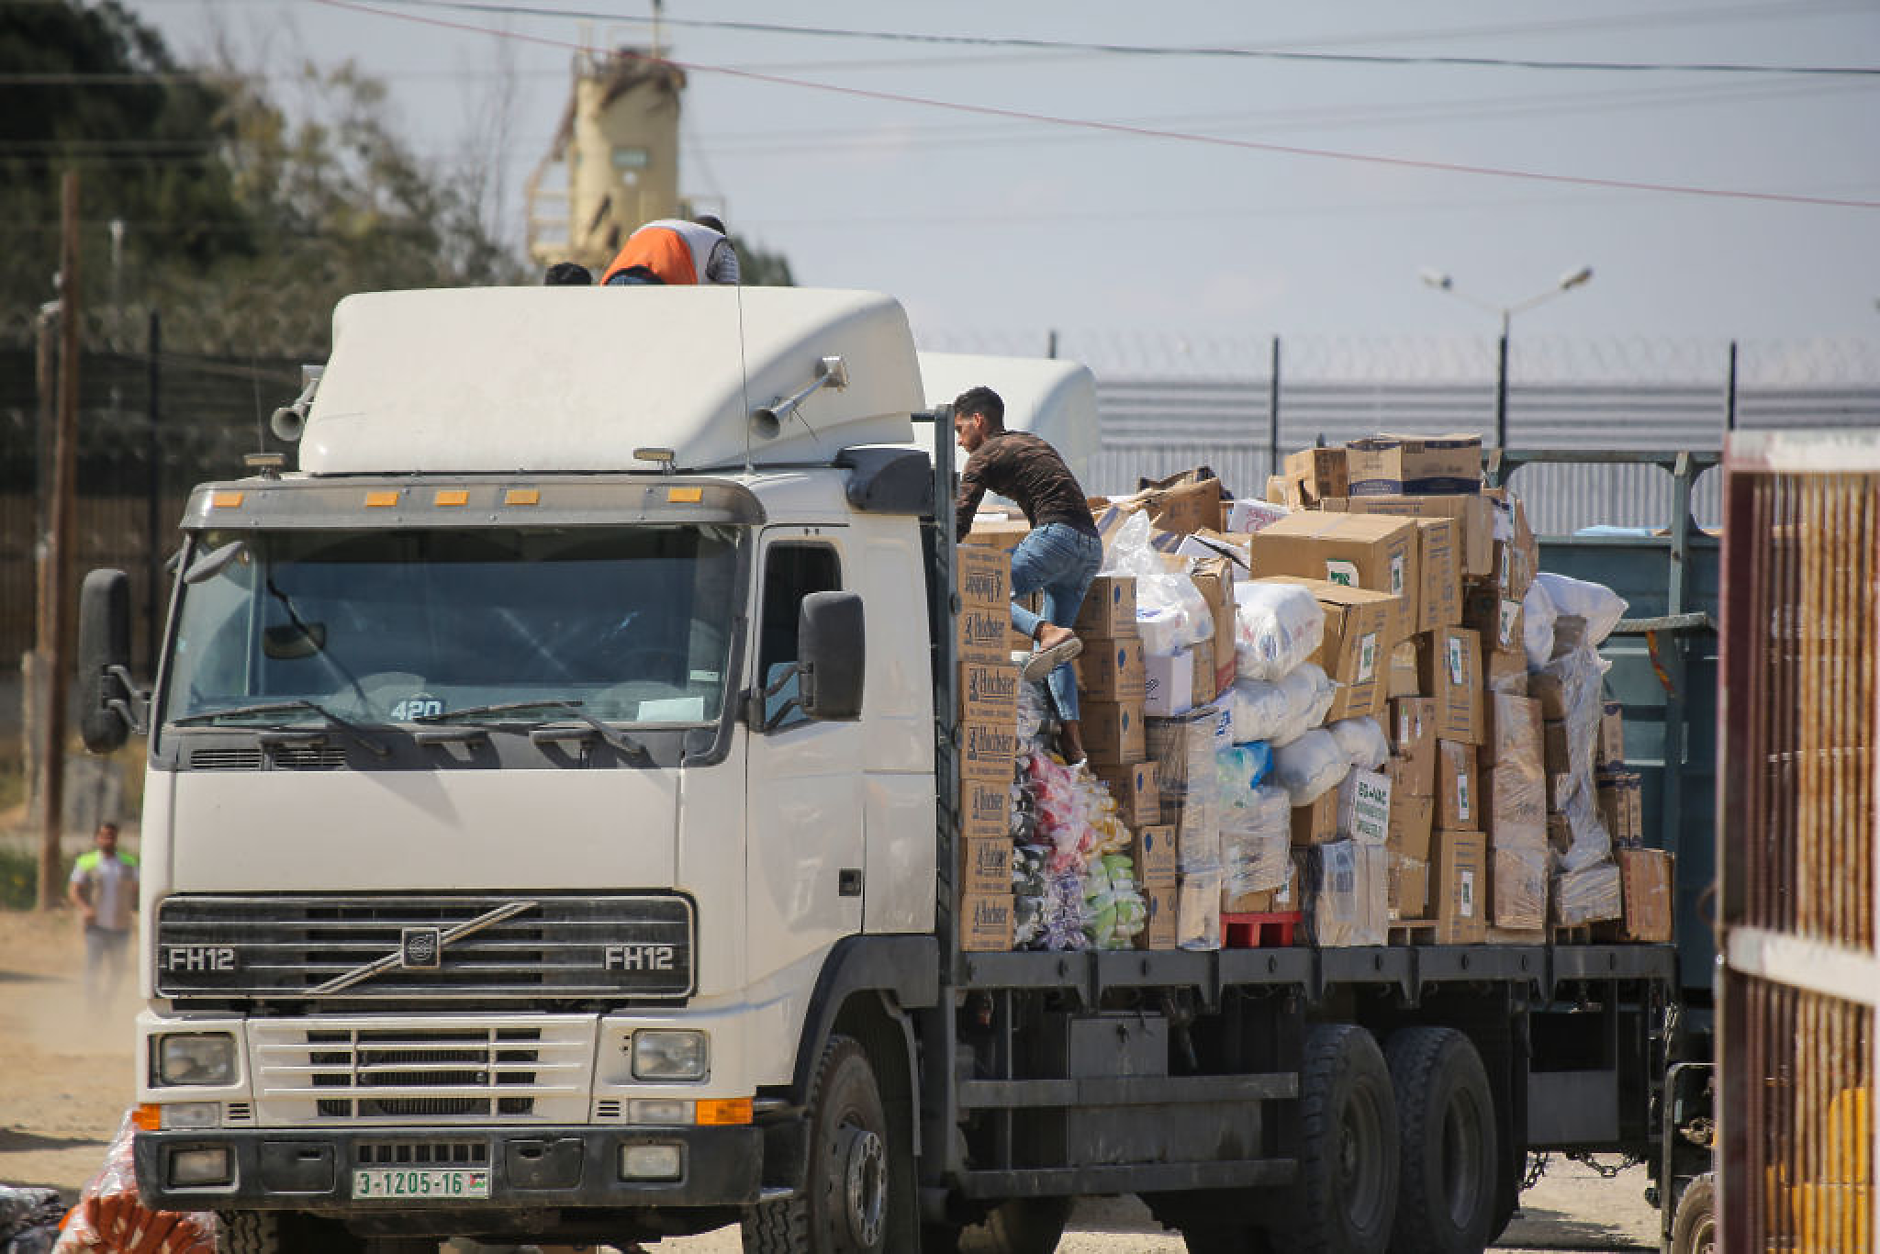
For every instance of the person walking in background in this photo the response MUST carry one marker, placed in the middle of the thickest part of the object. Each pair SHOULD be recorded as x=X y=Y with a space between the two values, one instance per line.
x=103 y=887
x=1059 y=557
x=672 y=250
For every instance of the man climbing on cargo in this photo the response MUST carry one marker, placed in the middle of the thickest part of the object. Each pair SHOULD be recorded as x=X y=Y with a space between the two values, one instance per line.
x=672 y=250
x=1059 y=557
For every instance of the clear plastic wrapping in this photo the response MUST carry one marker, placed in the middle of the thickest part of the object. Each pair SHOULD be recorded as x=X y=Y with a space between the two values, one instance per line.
x=1114 y=911
x=29 y=1219
x=1363 y=741
x=1348 y=886
x=1518 y=887
x=1198 y=909
x=1256 y=837
x=1537 y=626
x=1589 y=895
x=1310 y=767
x=1160 y=592
x=110 y=1217
x=1277 y=626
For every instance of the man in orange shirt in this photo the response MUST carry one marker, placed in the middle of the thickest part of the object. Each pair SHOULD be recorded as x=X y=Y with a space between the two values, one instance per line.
x=672 y=250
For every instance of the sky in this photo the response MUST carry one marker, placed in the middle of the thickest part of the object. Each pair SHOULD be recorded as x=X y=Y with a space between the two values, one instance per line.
x=1159 y=202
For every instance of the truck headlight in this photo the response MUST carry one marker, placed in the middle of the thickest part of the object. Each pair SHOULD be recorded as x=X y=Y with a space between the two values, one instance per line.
x=195 y=1058
x=670 y=1054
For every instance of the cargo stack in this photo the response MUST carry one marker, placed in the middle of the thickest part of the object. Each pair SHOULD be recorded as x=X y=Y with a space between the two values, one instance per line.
x=1587 y=886
x=988 y=684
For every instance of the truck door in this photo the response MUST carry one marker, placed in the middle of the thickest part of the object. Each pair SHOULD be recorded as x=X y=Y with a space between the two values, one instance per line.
x=803 y=798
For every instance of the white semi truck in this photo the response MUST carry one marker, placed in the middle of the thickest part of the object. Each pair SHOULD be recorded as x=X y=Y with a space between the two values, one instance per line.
x=549 y=833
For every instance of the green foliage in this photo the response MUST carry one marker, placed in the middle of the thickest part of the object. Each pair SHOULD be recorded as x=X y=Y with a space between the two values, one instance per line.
x=758 y=267
x=19 y=879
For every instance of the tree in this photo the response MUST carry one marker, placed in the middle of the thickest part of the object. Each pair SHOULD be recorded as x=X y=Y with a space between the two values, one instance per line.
x=758 y=267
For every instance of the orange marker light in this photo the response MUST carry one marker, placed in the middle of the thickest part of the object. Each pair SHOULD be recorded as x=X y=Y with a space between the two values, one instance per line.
x=226 y=500
x=522 y=496
x=452 y=496
x=381 y=500
x=148 y=1117
x=685 y=496
x=723 y=1111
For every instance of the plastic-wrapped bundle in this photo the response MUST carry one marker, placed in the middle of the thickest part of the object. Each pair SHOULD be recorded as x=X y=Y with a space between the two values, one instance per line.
x=1600 y=606
x=1029 y=879
x=1061 y=917
x=1310 y=767
x=1034 y=711
x=1283 y=710
x=1198 y=910
x=1114 y=911
x=1064 y=812
x=1347 y=894
x=1519 y=875
x=1363 y=742
x=1240 y=768
x=1171 y=601
x=29 y=1219
x=111 y=1215
x=1537 y=626
x=1590 y=843
x=1588 y=895
x=1256 y=839
x=1277 y=626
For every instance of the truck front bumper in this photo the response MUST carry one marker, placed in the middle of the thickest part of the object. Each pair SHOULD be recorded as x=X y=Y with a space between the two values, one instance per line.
x=537 y=1168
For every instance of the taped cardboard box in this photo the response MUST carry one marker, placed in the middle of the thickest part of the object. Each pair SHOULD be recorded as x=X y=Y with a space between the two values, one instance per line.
x=1517 y=809
x=1353 y=650
x=1312 y=475
x=988 y=692
x=1390 y=464
x=980 y=634
x=1498 y=620
x=1439 y=559
x=1511 y=734
x=1214 y=578
x=1611 y=750
x=1113 y=732
x=1645 y=879
x=1133 y=786
x=1590 y=895
x=1109 y=608
x=1183 y=503
x=1412 y=819
x=1403 y=680
x=1457 y=798
x=986 y=865
x=1168 y=683
x=1449 y=666
x=986 y=808
x=1159 y=932
x=1316 y=824
x=1364 y=807
x=1112 y=669
x=1379 y=554
x=1517 y=892
x=1152 y=849
x=1412 y=728
x=1474 y=515
x=986 y=922
x=987 y=751
x=1506 y=672
x=1458 y=874
x=1000 y=532
x=982 y=576
x=1407 y=891
x=1347 y=895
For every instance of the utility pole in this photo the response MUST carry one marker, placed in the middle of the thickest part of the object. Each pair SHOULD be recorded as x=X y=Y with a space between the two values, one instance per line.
x=55 y=615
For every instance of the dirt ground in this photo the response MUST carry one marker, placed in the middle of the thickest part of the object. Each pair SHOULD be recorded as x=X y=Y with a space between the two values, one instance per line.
x=66 y=1079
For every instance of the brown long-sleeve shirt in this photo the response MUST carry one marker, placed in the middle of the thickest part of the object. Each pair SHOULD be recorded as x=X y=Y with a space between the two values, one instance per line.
x=1022 y=467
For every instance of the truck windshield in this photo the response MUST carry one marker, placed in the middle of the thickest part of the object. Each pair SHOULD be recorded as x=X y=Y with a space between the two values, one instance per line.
x=629 y=625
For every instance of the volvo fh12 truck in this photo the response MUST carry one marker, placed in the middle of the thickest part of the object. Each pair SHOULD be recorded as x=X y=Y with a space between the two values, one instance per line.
x=550 y=832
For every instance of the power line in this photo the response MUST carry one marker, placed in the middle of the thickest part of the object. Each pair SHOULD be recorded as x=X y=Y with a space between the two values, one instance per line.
x=1150 y=50
x=1249 y=145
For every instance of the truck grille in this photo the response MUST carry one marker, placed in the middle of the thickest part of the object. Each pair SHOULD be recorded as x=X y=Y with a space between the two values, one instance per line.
x=359 y=948
x=451 y=1069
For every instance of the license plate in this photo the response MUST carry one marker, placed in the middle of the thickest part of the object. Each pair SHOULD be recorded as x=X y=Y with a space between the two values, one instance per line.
x=418 y=1183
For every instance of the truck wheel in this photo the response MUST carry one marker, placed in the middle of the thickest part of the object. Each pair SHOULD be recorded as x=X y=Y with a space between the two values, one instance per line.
x=847 y=1195
x=1447 y=1146
x=1694 y=1227
x=281 y=1232
x=1347 y=1188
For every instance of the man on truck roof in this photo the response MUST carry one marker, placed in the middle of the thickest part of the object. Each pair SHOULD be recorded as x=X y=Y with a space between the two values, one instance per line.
x=672 y=250
x=1059 y=557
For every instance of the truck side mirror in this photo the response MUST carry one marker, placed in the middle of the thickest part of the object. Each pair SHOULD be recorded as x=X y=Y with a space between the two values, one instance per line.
x=108 y=699
x=831 y=647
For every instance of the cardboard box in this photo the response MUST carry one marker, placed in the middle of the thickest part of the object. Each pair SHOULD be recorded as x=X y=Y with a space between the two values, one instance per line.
x=1375 y=553
x=1168 y=683
x=1457 y=798
x=1364 y=807
x=1348 y=889
x=1183 y=750
x=1559 y=833
x=1312 y=475
x=1153 y=851
x=1185 y=503
x=1113 y=732
x=1611 y=750
x=1412 y=819
x=1511 y=733
x=1590 y=895
x=1112 y=669
x=1198 y=909
x=1517 y=809
x=1260 y=902
x=1495 y=618
x=1214 y=578
x=980 y=634
x=1506 y=672
x=1635 y=807
x=1316 y=824
x=989 y=692
x=1395 y=465
x=1439 y=559
x=1449 y=666
x=1109 y=608
x=1474 y=515
x=1407 y=891
x=999 y=532
x=982 y=576
x=986 y=922
x=1412 y=728
x=1645 y=879
x=987 y=751
x=1202 y=672
x=986 y=865
x=1551 y=693
x=1517 y=887
x=1357 y=628
x=1403 y=680
x=1458 y=875
x=1196 y=821
x=1133 y=787
x=1159 y=931
x=986 y=808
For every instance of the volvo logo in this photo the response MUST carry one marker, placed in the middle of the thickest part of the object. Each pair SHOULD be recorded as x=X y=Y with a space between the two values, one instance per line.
x=419 y=948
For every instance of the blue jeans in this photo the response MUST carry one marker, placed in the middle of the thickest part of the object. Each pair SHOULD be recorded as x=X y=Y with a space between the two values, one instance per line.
x=1061 y=561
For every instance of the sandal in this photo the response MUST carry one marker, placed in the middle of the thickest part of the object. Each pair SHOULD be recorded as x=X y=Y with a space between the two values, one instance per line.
x=1044 y=661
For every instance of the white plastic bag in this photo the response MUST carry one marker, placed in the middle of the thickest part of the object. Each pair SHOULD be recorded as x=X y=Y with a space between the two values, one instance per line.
x=1600 y=606
x=1159 y=590
x=1309 y=767
x=1537 y=626
x=1363 y=741
x=1283 y=711
x=1277 y=626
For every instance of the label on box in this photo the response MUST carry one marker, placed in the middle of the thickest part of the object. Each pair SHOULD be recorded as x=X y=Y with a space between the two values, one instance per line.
x=986 y=921
x=1453 y=648
x=982 y=633
x=1364 y=807
x=1464 y=810
x=1341 y=572
x=1465 y=893
x=989 y=692
x=987 y=750
x=1396 y=575
x=1507 y=561
x=1367 y=657
x=1510 y=613
x=985 y=808
x=986 y=866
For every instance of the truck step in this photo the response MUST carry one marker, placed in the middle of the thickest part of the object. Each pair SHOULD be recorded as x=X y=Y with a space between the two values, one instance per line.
x=1259 y=931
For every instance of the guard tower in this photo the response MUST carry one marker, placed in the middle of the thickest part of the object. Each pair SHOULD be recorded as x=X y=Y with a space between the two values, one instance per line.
x=614 y=162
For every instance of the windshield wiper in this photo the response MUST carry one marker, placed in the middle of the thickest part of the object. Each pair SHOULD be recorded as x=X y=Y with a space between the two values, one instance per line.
x=353 y=730
x=483 y=713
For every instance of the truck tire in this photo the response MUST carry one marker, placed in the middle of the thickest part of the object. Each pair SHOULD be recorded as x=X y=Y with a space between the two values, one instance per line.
x=1347 y=1188
x=281 y=1232
x=1694 y=1226
x=847 y=1197
x=1447 y=1148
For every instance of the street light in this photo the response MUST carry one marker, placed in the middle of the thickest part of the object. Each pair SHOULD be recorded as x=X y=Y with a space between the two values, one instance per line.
x=1441 y=281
